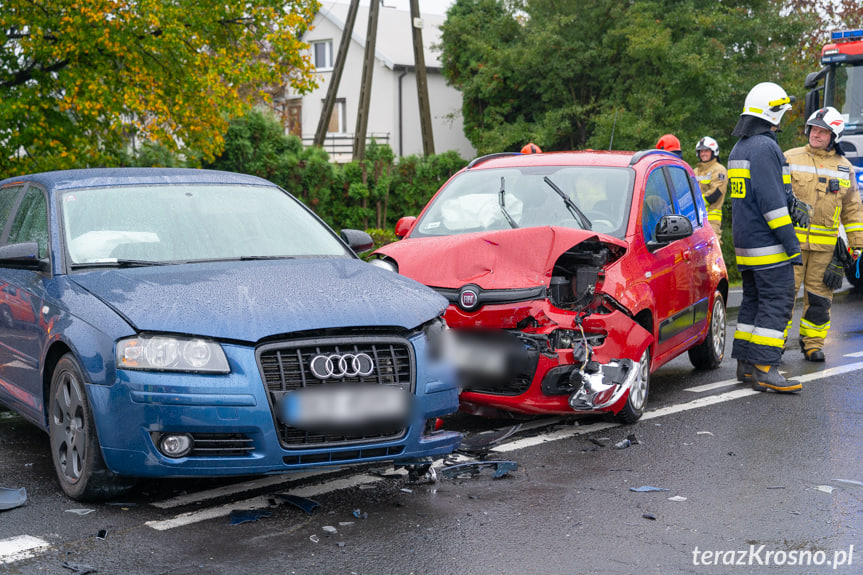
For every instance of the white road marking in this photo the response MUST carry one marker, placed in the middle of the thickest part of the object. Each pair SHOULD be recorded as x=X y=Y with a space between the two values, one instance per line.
x=260 y=502
x=712 y=386
x=20 y=547
x=855 y=354
x=228 y=490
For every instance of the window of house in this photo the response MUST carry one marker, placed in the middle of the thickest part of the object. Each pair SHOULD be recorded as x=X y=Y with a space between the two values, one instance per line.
x=337 y=118
x=323 y=54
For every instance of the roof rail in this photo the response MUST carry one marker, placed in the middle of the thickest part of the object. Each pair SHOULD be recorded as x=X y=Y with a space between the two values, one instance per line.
x=481 y=159
x=636 y=157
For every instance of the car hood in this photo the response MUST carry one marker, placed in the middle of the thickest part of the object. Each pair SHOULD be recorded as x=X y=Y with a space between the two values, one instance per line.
x=492 y=260
x=251 y=300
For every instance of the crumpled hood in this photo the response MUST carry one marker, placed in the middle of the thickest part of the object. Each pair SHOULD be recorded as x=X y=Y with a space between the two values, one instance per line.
x=248 y=301
x=505 y=259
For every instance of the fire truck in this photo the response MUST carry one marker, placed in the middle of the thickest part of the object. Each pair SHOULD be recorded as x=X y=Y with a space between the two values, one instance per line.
x=839 y=83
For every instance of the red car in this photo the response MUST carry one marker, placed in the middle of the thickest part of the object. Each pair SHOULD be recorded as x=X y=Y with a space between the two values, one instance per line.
x=571 y=277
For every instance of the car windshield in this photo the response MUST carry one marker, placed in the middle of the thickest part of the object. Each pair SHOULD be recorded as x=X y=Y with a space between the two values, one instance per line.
x=482 y=200
x=180 y=223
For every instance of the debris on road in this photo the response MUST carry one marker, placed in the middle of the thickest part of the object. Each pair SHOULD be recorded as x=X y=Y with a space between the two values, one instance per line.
x=239 y=516
x=473 y=469
x=824 y=488
x=80 y=511
x=647 y=489
x=626 y=442
x=704 y=433
x=303 y=503
x=360 y=515
x=650 y=516
x=12 y=498
x=330 y=530
x=677 y=498
x=481 y=442
x=78 y=568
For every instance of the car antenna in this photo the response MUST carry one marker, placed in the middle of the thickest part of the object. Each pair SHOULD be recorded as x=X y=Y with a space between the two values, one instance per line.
x=613 y=125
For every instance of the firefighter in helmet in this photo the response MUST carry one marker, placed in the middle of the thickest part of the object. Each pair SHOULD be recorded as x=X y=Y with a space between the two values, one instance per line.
x=713 y=179
x=822 y=177
x=670 y=143
x=765 y=245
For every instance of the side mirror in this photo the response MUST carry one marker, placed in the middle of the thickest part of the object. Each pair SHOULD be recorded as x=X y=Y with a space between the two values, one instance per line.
x=359 y=240
x=25 y=254
x=405 y=225
x=812 y=103
x=673 y=227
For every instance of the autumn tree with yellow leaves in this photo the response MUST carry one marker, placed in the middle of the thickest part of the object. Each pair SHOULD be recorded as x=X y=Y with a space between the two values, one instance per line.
x=82 y=81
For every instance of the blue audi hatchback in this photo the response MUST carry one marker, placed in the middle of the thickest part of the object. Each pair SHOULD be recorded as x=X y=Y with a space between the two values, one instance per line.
x=178 y=323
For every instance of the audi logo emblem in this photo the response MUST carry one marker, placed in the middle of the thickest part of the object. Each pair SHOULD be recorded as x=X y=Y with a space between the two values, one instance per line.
x=339 y=366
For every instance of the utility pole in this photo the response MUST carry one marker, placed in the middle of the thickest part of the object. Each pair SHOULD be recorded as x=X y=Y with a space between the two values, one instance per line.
x=336 y=78
x=422 y=83
x=366 y=88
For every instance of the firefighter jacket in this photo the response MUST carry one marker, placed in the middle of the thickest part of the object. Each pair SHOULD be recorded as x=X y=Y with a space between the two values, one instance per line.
x=761 y=227
x=825 y=180
x=713 y=179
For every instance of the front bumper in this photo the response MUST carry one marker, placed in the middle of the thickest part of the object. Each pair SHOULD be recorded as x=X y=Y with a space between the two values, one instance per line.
x=232 y=417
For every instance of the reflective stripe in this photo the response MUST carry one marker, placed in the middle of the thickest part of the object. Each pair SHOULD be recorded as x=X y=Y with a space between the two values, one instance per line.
x=758 y=111
x=714 y=215
x=764 y=260
x=819 y=240
x=824 y=230
x=767 y=341
x=739 y=164
x=809 y=329
x=739 y=173
x=742 y=335
x=854 y=228
x=819 y=172
x=707 y=181
x=786 y=178
x=777 y=218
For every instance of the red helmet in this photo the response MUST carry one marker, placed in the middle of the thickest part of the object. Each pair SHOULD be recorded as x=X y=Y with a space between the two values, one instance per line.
x=531 y=148
x=669 y=143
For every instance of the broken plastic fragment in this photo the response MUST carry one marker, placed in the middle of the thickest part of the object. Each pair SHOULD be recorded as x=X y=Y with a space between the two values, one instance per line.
x=647 y=488
x=80 y=511
x=239 y=516
x=11 y=498
x=360 y=515
x=313 y=538
x=304 y=503
x=329 y=529
x=483 y=441
x=473 y=469
x=622 y=444
x=825 y=488
x=677 y=498
x=703 y=433
x=650 y=516
x=78 y=568
x=102 y=534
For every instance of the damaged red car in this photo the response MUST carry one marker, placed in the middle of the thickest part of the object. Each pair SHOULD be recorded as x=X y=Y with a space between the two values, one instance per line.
x=570 y=276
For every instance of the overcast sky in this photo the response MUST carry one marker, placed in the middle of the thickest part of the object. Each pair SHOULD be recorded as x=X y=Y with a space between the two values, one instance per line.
x=426 y=6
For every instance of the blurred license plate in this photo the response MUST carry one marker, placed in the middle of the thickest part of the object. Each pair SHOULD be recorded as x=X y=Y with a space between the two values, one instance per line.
x=344 y=407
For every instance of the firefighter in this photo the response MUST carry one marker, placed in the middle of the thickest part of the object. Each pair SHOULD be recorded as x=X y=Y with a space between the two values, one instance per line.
x=765 y=245
x=823 y=178
x=670 y=143
x=713 y=179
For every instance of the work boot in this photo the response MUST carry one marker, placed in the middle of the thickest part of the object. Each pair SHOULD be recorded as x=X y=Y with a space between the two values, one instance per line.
x=744 y=371
x=766 y=377
x=814 y=355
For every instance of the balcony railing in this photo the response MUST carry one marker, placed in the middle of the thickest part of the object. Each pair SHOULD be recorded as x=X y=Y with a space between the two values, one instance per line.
x=341 y=147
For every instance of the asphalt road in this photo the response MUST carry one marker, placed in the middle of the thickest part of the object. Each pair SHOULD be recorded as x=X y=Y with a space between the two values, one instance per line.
x=751 y=483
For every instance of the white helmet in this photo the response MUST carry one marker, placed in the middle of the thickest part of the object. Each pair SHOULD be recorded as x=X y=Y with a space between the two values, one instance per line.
x=767 y=101
x=707 y=143
x=830 y=119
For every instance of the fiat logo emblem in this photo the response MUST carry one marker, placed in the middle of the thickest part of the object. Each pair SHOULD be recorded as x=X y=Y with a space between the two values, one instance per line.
x=468 y=298
x=340 y=366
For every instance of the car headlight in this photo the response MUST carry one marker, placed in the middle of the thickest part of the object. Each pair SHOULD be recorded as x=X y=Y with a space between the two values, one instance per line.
x=171 y=353
x=386 y=264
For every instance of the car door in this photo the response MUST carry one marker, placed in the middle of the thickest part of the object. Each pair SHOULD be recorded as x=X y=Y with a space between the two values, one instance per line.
x=23 y=210
x=667 y=267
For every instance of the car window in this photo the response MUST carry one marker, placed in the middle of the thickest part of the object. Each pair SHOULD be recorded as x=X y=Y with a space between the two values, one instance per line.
x=506 y=198
x=684 y=194
x=657 y=203
x=8 y=199
x=31 y=221
x=169 y=223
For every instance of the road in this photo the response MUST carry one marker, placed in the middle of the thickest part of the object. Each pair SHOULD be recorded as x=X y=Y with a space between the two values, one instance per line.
x=751 y=483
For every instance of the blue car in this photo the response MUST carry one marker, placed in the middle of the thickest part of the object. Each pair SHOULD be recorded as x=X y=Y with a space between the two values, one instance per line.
x=188 y=323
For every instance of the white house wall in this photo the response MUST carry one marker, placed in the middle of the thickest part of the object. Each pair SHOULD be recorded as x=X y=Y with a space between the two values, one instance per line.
x=384 y=107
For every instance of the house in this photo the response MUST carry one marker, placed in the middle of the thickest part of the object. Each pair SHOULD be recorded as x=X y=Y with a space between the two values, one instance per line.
x=394 y=116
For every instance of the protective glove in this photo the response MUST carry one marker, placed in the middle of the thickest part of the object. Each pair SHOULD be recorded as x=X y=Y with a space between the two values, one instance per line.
x=799 y=211
x=834 y=274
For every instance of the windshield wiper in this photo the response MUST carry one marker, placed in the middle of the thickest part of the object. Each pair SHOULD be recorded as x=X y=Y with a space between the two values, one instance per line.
x=502 y=203
x=121 y=263
x=573 y=209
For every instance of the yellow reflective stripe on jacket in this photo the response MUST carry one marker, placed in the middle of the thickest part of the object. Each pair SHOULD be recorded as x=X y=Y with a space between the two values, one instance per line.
x=762 y=256
x=714 y=215
x=809 y=329
x=739 y=172
x=768 y=337
x=851 y=228
x=819 y=240
x=777 y=218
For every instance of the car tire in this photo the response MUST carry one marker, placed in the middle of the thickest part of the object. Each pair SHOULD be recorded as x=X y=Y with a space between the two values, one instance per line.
x=6 y=317
x=75 y=449
x=709 y=353
x=637 y=399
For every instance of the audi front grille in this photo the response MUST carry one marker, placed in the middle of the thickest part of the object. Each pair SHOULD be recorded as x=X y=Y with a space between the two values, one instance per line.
x=288 y=366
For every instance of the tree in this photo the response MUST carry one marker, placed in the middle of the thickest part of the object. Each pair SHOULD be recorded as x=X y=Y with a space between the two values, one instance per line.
x=82 y=80
x=565 y=73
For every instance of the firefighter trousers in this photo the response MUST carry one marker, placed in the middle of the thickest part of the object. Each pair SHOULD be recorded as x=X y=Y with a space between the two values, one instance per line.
x=765 y=310
x=817 y=298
